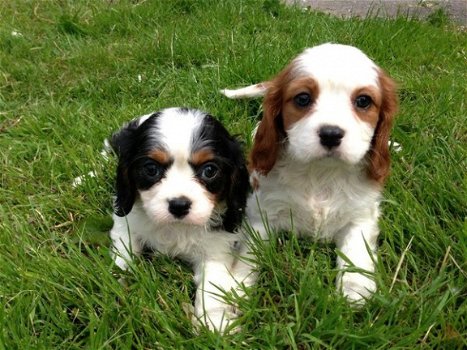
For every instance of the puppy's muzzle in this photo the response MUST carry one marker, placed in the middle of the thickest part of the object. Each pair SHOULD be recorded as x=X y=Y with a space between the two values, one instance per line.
x=330 y=136
x=179 y=207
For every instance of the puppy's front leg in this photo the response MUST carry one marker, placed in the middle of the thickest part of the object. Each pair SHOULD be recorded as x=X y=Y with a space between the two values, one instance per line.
x=124 y=243
x=353 y=242
x=213 y=278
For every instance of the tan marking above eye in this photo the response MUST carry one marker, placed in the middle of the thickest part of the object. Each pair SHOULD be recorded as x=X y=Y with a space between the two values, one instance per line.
x=298 y=86
x=202 y=156
x=160 y=156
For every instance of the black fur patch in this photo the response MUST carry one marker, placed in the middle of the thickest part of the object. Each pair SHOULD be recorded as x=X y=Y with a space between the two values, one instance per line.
x=130 y=144
x=233 y=186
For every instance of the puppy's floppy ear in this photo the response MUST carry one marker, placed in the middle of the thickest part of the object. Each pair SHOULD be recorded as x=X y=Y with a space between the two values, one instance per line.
x=122 y=143
x=378 y=156
x=270 y=133
x=239 y=187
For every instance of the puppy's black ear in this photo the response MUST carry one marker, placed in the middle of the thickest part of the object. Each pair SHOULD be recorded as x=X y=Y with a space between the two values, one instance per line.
x=239 y=187
x=126 y=191
x=122 y=143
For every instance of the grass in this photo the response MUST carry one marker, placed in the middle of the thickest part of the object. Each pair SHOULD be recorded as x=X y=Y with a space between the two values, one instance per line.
x=71 y=72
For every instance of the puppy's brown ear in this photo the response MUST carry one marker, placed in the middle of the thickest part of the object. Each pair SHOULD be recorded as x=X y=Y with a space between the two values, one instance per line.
x=270 y=133
x=378 y=156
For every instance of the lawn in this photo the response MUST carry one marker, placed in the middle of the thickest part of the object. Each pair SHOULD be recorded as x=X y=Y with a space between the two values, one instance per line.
x=71 y=72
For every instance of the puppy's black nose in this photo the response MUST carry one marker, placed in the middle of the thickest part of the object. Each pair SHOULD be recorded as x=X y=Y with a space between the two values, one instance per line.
x=330 y=136
x=179 y=207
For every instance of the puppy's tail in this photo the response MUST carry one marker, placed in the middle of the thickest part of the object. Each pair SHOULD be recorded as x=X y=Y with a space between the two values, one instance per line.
x=252 y=91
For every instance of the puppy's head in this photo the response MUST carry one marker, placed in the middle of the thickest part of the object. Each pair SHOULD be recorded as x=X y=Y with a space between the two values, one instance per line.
x=331 y=102
x=184 y=167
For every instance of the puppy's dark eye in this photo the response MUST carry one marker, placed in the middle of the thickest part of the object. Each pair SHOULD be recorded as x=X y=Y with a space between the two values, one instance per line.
x=302 y=100
x=363 y=101
x=152 y=169
x=209 y=171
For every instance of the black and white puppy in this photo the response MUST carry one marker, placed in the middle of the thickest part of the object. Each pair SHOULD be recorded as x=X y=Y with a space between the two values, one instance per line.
x=181 y=186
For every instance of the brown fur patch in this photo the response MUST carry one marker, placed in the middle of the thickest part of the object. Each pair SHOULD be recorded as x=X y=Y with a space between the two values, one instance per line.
x=270 y=131
x=369 y=115
x=160 y=156
x=378 y=156
x=202 y=156
x=291 y=113
x=213 y=197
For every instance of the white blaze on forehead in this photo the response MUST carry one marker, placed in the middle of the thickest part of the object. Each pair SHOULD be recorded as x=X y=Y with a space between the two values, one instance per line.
x=335 y=65
x=177 y=129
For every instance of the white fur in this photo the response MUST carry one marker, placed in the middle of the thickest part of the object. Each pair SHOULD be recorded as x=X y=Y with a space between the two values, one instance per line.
x=322 y=193
x=339 y=70
x=325 y=201
x=256 y=90
x=337 y=66
x=212 y=252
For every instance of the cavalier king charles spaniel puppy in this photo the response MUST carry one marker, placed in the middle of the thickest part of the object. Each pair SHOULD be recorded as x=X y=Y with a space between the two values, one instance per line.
x=320 y=155
x=181 y=190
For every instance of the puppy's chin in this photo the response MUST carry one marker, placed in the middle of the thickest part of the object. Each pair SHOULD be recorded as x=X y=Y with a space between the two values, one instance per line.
x=321 y=154
x=341 y=157
x=328 y=157
x=189 y=220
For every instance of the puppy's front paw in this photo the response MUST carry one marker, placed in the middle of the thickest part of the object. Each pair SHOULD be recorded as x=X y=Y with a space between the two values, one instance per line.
x=356 y=287
x=219 y=319
x=121 y=263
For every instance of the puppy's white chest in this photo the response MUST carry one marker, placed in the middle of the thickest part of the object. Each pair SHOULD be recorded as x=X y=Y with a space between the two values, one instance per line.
x=315 y=204
x=307 y=211
x=318 y=208
x=320 y=215
x=175 y=240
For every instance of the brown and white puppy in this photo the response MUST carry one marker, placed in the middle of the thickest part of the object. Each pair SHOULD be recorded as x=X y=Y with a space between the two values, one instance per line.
x=320 y=155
